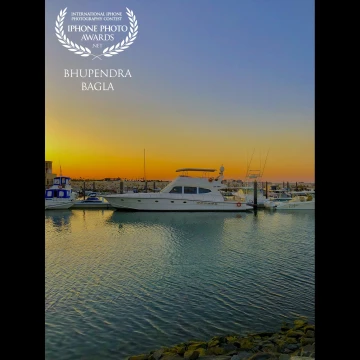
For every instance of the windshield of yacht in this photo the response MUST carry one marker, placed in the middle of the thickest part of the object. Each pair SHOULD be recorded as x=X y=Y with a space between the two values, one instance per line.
x=167 y=188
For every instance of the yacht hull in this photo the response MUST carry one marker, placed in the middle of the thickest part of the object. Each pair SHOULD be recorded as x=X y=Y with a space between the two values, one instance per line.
x=296 y=205
x=61 y=205
x=159 y=204
x=89 y=205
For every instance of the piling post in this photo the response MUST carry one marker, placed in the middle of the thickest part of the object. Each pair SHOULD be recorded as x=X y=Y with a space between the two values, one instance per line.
x=266 y=189
x=255 y=193
x=121 y=187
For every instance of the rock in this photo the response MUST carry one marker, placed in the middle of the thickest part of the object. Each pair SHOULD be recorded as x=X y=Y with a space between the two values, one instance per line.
x=295 y=333
x=212 y=343
x=178 y=349
x=284 y=357
x=268 y=348
x=191 y=354
x=229 y=348
x=298 y=324
x=263 y=356
x=291 y=340
x=242 y=355
x=216 y=351
x=308 y=350
x=300 y=358
x=171 y=357
x=310 y=333
x=280 y=345
x=246 y=344
x=156 y=355
x=309 y=327
x=221 y=339
x=202 y=352
x=139 y=357
x=231 y=339
x=292 y=347
x=307 y=341
x=197 y=345
x=214 y=357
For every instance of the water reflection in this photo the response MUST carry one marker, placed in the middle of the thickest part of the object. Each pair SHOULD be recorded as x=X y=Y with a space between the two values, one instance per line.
x=59 y=219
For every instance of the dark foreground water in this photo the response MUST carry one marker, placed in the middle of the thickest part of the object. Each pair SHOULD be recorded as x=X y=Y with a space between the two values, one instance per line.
x=120 y=284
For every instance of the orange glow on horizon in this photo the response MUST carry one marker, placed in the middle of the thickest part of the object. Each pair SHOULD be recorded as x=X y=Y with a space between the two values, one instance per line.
x=100 y=144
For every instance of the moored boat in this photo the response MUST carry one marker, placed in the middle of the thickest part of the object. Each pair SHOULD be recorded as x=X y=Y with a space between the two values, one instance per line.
x=92 y=201
x=59 y=195
x=185 y=193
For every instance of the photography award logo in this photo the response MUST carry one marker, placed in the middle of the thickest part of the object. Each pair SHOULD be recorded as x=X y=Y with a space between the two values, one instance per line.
x=102 y=35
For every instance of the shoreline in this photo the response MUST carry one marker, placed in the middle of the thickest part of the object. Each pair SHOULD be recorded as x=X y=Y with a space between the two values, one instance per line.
x=293 y=342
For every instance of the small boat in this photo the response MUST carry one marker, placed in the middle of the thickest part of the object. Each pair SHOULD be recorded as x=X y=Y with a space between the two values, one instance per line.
x=185 y=193
x=92 y=202
x=280 y=195
x=59 y=195
x=299 y=201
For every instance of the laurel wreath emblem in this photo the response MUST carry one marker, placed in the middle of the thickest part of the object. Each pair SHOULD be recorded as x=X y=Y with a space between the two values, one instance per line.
x=84 y=51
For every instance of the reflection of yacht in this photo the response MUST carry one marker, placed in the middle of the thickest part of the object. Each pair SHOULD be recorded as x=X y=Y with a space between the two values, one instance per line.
x=59 y=195
x=185 y=193
x=58 y=218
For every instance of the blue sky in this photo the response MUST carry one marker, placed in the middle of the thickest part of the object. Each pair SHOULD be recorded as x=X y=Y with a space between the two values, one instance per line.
x=240 y=64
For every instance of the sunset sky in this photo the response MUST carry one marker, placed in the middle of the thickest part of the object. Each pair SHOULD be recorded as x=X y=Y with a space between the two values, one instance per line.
x=212 y=81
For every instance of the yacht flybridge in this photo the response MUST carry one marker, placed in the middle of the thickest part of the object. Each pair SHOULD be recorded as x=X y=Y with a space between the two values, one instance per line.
x=60 y=195
x=185 y=193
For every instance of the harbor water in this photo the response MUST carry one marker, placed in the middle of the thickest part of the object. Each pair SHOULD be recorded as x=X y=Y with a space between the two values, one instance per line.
x=124 y=283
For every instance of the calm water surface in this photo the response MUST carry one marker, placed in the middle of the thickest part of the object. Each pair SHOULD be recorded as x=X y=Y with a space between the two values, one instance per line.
x=120 y=284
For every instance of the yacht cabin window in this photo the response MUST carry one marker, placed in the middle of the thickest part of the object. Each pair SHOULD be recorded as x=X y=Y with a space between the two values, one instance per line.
x=176 y=190
x=204 y=191
x=190 y=190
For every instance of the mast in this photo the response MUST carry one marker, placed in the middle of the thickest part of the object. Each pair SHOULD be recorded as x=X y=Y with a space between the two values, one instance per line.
x=144 y=167
x=264 y=163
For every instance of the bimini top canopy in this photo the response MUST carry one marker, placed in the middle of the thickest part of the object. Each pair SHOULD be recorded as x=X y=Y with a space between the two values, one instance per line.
x=195 y=169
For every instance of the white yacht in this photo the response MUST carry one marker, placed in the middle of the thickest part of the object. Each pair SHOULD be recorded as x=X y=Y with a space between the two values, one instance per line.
x=185 y=193
x=300 y=201
x=60 y=194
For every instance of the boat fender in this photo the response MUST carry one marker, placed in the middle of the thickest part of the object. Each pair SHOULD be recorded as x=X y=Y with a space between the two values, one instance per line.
x=238 y=204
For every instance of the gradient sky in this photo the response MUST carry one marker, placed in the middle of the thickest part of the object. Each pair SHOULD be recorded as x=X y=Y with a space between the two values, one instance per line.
x=211 y=81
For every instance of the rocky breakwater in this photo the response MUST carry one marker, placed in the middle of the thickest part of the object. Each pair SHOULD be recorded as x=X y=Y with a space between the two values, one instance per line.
x=296 y=342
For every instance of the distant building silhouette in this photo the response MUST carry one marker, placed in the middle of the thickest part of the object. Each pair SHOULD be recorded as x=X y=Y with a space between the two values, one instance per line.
x=49 y=176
